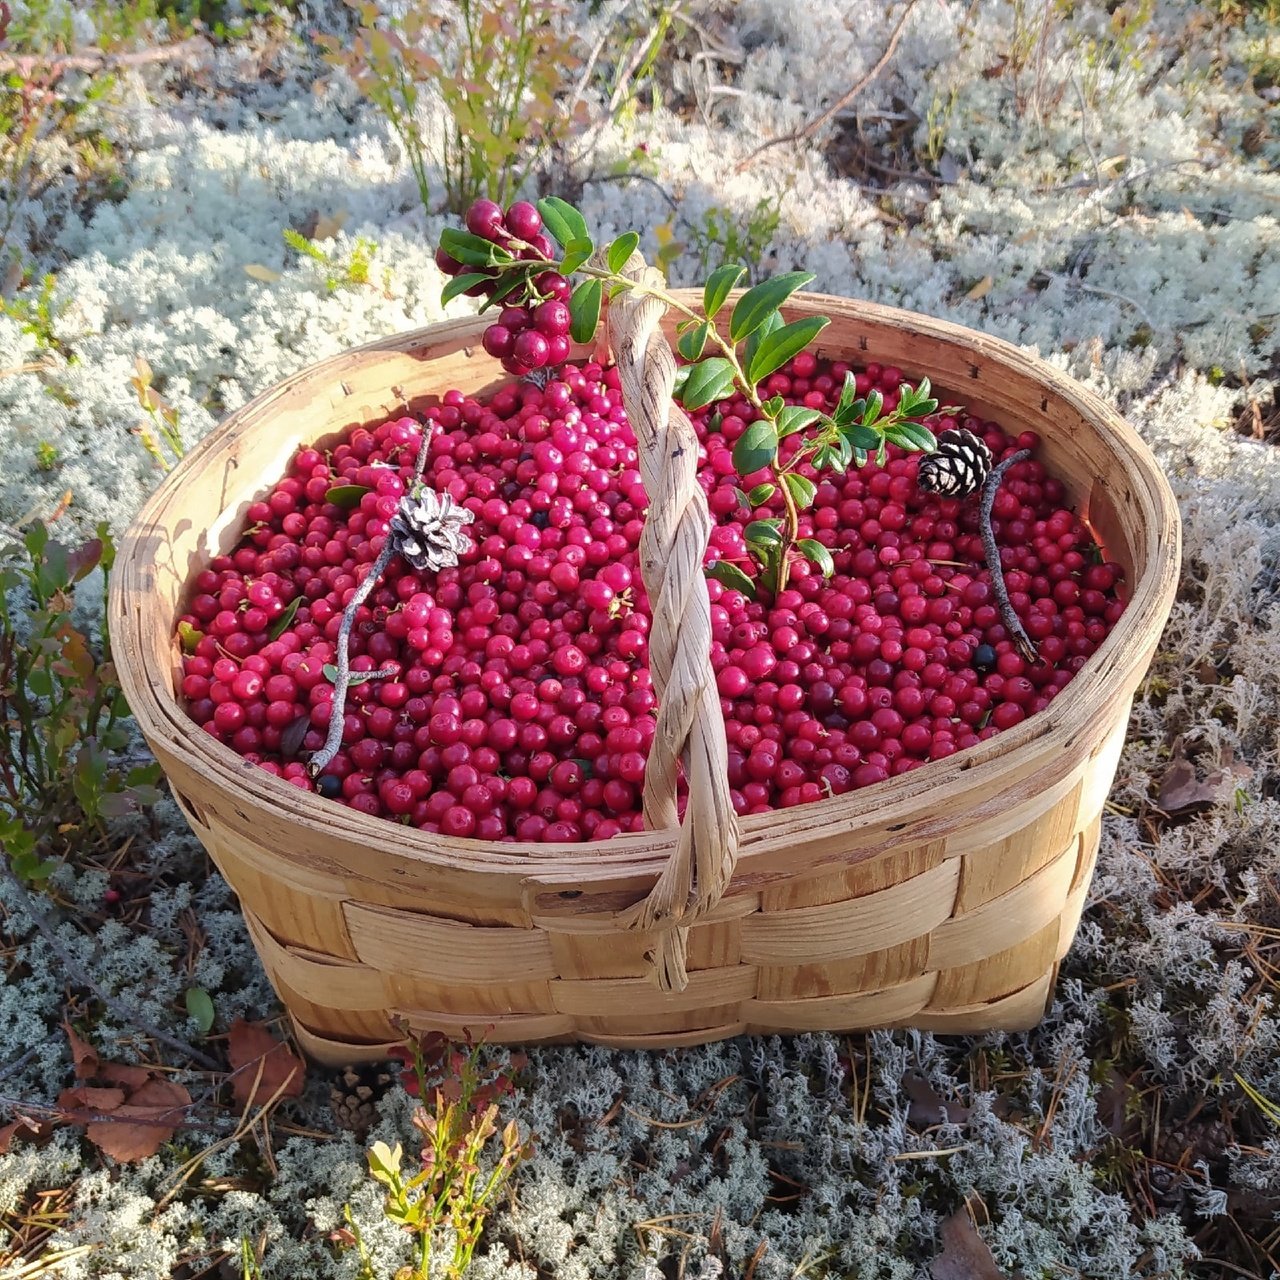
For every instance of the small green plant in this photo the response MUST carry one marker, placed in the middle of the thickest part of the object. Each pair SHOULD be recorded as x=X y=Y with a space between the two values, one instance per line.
x=724 y=235
x=162 y=427
x=351 y=274
x=936 y=122
x=33 y=309
x=723 y=360
x=63 y=768
x=47 y=456
x=457 y=1126
x=499 y=66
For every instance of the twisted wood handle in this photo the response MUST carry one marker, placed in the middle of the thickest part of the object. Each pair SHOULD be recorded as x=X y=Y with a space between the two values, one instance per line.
x=690 y=724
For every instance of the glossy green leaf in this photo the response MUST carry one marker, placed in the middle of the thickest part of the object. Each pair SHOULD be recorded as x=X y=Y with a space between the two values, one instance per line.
x=801 y=489
x=575 y=254
x=189 y=637
x=761 y=494
x=813 y=550
x=720 y=285
x=729 y=575
x=874 y=408
x=584 y=311
x=782 y=344
x=768 y=325
x=754 y=305
x=774 y=406
x=460 y=284
x=756 y=447
x=200 y=1007
x=281 y=624
x=471 y=251
x=795 y=418
x=707 y=382
x=691 y=343
x=620 y=250
x=764 y=533
x=346 y=496
x=353 y=677
x=861 y=437
x=911 y=435
x=562 y=221
x=848 y=394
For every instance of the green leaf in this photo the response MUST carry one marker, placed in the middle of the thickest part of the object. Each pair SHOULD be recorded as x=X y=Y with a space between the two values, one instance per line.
x=346 y=496
x=833 y=457
x=795 y=418
x=875 y=406
x=200 y=1007
x=281 y=624
x=620 y=250
x=460 y=284
x=778 y=347
x=708 y=381
x=692 y=342
x=764 y=533
x=584 y=310
x=911 y=435
x=189 y=637
x=801 y=489
x=353 y=677
x=813 y=550
x=848 y=394
x=562 y=221
x=756 y=447
x=515 y=282
x=760 y=494
x=721 y=284
x=771 y=323
x=860 y=437
x=751 y=309
x=471 y=251
x=729 y=575
x=774 y=406
x=384 y=1162
x=575 y=254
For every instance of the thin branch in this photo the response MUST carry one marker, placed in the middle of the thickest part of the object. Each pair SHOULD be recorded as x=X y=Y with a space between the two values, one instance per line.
x=812 y=127
x=1010 y=619
x=76 y=973
x=638 y=177
x=100 y=59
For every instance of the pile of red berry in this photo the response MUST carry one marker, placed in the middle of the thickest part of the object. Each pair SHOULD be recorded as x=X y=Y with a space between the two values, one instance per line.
x=519 y=705
x=535 y=335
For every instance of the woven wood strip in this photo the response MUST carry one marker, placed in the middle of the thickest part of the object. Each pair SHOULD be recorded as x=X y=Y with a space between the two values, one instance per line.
x=1000 y=974
x=716 y=945
x=887 y=967
x=483 y=999
x=871 y=876
x=316 y=976
x=837 y=930
x=869 y=1009
x=706 y=988
x=1017 y=1012
x=413 y=943
x=1006 y=920
x=667 y=1040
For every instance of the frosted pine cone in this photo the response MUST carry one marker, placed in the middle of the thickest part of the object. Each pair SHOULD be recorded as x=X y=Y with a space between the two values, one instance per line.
x=958 y=467
x=428 y=530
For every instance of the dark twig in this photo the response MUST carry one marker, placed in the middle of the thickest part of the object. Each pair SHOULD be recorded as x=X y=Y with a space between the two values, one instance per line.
x=76 y=973
x=338 y=709
x=1010 y=619
x=811 y=127
x=18 y=1063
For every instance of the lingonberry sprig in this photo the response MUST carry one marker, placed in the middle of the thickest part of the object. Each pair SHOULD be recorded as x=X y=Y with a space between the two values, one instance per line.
x=510 y=259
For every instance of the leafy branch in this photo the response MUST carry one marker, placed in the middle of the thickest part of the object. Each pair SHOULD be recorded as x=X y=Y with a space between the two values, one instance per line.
x=724 y=359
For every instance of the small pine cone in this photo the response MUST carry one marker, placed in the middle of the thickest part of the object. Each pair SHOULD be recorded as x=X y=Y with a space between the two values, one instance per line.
x=958 y=467
x=355 y=1094
x=428 y=530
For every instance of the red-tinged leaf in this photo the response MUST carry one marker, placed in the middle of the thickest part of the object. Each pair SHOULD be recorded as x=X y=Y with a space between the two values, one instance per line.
x=89 y=1098
x=123 y=1074
x=256 y=1054
x=26 y=1127
x=965 y=1255
x=144 y=1124
x=83 y=1055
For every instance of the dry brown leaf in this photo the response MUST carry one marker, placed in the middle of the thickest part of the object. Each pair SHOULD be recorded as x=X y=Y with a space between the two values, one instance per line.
x=144 y=1124
x=250 y=1046
x=965 y=1255
x=981 y=289
x=257 y=271
x=326 y=227
x=928 y=1107
x=122 y=1074
x=84 y=1056
x=1182 y=788
x=89 y=1098
x=29 y=1127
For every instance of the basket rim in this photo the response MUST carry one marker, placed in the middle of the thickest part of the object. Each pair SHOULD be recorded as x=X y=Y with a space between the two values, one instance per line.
x=160 y=714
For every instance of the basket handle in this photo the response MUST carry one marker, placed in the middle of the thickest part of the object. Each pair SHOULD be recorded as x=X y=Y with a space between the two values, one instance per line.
x=690 y=724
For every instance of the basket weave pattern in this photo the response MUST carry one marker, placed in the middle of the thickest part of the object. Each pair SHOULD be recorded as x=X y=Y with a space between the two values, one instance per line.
x=942 y=899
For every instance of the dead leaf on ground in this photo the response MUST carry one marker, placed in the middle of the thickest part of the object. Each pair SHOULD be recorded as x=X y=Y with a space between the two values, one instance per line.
x=144 y=1124
x=256 y=271
x=1182 y=788
x=26 y=1127
x=981 y=289
x=89 y=1098
x=250 y=1045
x=928 y=1107
x=122 y=1074
x=965 y=1255
x=84 y=1056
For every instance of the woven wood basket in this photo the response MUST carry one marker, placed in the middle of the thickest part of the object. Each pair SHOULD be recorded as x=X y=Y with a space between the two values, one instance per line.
x=941 y=899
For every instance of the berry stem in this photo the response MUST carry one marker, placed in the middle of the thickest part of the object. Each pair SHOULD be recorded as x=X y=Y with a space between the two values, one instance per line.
x=1012 y=622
